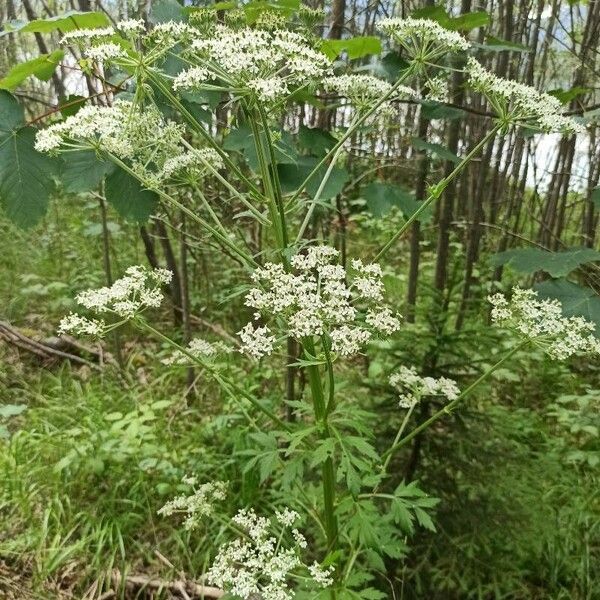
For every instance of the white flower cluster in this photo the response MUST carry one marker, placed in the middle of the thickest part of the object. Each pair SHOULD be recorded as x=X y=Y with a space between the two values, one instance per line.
x=193 y=163
x=197 y=505
x=413 y=387
x=438 y=90
x=128 y=296
x=542 y=322
x=104 y=52
x=363 y=90
x=316 y=300
x=267 y=63
x=257 y=565
x=520 y=103
x=423 y=39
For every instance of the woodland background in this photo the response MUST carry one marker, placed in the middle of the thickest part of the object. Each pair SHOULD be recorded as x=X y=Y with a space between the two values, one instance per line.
x=516 y=472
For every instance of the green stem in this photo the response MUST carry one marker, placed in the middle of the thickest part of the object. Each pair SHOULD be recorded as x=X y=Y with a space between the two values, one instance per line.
x=190 y=213
x=328 y=470
x=228 y=386
x=350 y=131
x=437 y=190
x=446 y=410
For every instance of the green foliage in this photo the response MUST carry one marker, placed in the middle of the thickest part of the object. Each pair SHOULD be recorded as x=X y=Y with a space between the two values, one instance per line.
x=356 y=47
x=464 y=22
x=41 y=67
x=576 y=300
x=83 y=171
x=26 y=176
x=126 y=194
x=435 y=150
x=66 y=22
x=382 y=197
x=557 y=264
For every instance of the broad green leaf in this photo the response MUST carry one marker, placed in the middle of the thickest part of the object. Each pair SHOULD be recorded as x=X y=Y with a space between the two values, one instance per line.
x=469 y=21
x=355 y=47
x=42 y=67
x=126 y=194
x=436 y=150
x=576 y=300
x=70 y=105
x=390 y=66
x=255 y=8
x=83 y=171
x=557 y=264
x=382 y=197
x=495 y=44
x=68 y=21
x=11 y=112
x=166 y=10
x=26 y=177
x=315 y=141
x=435 y=110
x=565 y=96
x=293 y=174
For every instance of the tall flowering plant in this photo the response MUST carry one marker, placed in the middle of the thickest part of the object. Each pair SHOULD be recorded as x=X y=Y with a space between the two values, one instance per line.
x=299 y=293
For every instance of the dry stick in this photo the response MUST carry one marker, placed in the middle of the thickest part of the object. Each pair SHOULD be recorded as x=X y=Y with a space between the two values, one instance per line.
x=154 y=583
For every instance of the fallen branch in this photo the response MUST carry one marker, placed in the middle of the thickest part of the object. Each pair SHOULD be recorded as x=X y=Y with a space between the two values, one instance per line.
x=186 y=589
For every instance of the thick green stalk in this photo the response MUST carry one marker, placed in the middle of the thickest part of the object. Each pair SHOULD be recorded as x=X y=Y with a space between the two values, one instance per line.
x=437 y=190
x=328 y=469
x=446 y=410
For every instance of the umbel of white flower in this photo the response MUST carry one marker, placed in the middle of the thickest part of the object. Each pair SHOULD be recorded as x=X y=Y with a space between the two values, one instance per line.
x=413 y=387
x=138 y=290
x=197 y=505
x=258 y=564
x=542 y=322
x=519 y=103
x=423 y=40
x=267 y=65
x=139 y=136
x=316 y=299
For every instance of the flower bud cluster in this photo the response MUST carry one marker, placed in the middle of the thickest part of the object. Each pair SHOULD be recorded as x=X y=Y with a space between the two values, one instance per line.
x=543 y=323
x=413 y=387
x=258 y=564
x=315 y=300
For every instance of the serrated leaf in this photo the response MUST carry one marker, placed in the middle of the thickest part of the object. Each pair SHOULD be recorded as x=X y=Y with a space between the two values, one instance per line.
x=355 y=47
x=557 y=264
x=126 y=194
x=83 y=171
x=565 y=96
x=315 y=141
x=495 y=44
x=576 y=300
x=41 y=67
x=68 y=21
x=382 y=197
x=70 y=105
x=166 y=10
x=424 y=519
x=436 y=150
x=26 y=177
x=11 y=112
x=293 y=175
x=435 y=110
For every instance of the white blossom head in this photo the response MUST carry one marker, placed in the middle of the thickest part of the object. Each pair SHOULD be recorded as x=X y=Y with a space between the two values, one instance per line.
x=412 y=387
x=519 y=104
x=127 y=297
x=198 y=505
x=542 y=322
x=265 y=559
x=318 y=297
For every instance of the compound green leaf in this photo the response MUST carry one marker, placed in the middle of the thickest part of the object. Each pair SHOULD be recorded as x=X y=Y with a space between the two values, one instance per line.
x=355 y=47
x=436 y=150
x=83 y=170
